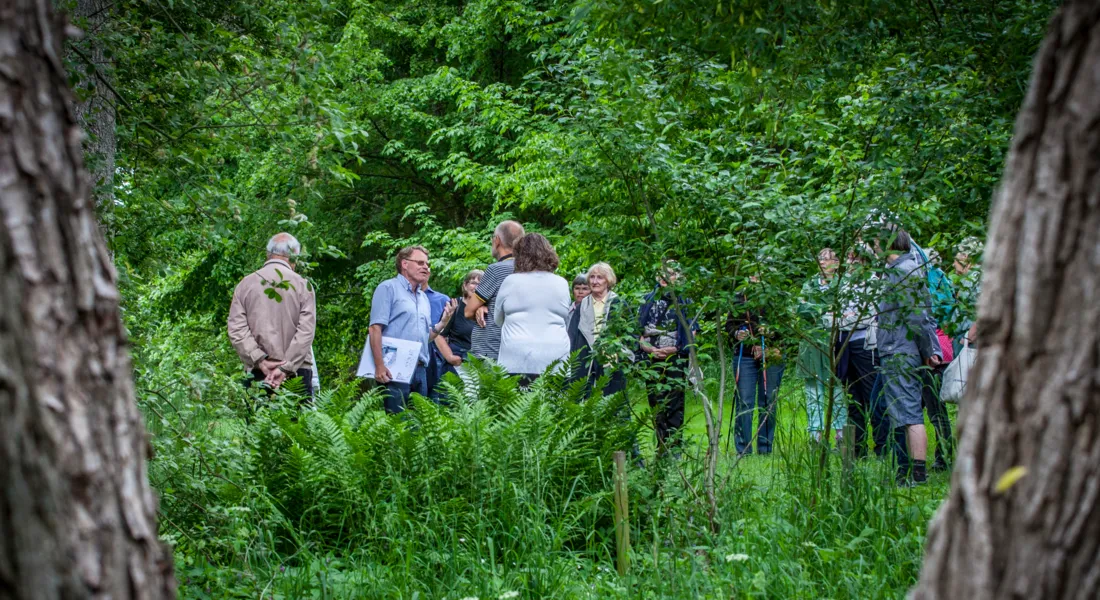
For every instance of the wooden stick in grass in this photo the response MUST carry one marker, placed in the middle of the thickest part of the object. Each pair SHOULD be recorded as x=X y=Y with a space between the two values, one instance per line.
x=622 y=516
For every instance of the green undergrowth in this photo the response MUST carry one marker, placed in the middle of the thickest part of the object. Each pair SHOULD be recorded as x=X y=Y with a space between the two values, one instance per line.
x=508 y=493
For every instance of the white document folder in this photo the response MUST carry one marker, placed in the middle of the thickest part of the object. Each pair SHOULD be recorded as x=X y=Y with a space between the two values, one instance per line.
x=399 y=356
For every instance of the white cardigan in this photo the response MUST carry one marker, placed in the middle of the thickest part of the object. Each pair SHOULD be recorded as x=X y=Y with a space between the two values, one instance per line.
x=531 y=310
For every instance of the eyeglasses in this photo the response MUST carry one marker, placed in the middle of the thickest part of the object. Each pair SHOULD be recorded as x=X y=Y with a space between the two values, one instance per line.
x=422 y=263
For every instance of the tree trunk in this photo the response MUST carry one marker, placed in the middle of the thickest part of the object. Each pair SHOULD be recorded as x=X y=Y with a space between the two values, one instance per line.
x=96 y=114
x=1034 y=401
x=77 y=515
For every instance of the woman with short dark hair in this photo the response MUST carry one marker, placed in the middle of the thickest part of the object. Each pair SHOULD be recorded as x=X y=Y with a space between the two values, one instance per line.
x=580 y=289
x=759 y=364
x=531 y=310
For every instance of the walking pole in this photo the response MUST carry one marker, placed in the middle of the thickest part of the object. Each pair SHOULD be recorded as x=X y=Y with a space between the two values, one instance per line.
x=733 y=405
x=764 y=362
x=764 y=368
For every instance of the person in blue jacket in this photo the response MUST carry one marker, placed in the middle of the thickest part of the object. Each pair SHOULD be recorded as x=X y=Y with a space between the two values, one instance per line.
x=664 y=343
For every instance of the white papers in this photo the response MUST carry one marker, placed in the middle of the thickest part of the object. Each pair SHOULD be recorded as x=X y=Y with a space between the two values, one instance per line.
x=399 y=356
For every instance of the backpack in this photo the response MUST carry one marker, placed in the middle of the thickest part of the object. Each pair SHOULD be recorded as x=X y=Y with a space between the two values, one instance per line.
x=939 y=286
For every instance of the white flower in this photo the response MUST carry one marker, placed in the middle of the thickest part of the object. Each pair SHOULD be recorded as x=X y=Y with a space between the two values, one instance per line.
x=737 y=557
x=470 y=598
x=507 y=595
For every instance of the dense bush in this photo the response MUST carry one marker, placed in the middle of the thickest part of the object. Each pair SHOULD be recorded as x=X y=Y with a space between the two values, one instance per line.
x=498 y=456
x=739 y=137
x=506 y=491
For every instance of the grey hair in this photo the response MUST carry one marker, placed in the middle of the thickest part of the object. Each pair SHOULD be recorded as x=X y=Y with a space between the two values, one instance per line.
x=509 y=232
x=283 y=244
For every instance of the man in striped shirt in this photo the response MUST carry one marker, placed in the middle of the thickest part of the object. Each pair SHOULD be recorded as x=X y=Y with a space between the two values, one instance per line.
x=486 y=336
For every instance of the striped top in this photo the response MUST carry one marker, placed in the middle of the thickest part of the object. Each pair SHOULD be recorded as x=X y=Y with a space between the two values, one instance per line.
x=486 y=340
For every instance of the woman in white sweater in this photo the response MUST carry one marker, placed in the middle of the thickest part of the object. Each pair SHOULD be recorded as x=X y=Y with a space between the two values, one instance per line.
x=531 y=310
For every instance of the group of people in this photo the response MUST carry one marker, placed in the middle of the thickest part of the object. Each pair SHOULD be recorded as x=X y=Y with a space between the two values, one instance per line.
x=520 y=314
x=880 y=342
x=877 y=339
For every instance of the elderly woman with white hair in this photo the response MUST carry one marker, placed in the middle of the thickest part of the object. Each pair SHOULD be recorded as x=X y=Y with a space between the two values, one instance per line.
x=589 y=320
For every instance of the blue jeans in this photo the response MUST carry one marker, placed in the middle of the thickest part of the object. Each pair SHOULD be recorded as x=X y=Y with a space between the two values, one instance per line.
x=397 y=394
x=751 y=395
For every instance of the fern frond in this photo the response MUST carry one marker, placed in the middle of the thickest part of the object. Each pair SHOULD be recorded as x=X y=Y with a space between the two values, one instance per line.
x=371 y=400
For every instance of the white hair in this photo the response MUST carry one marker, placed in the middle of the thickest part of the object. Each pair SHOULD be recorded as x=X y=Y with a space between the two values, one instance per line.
x=283 y=244
x=604 y=269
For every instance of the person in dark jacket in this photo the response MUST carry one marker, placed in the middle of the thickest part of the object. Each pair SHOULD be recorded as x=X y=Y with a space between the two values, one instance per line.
x=664 y=342
x=586 y=323
x=758 y=373
x=438 y=302
x=906 y=339
x=580 y=289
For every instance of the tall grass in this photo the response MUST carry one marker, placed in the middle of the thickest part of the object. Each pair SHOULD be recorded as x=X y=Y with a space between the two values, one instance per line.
x=509 y=492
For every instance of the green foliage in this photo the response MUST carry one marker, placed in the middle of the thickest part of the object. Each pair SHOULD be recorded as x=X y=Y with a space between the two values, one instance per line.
x=345 y=466
x=507 y=491
x=345 y=477
x=738 y=136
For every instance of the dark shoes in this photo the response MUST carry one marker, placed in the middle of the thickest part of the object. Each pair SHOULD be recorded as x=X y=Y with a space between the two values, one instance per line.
x=940 y=465
x=913 y=475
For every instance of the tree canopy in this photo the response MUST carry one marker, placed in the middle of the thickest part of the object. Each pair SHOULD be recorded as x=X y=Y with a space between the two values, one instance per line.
x=748 y=130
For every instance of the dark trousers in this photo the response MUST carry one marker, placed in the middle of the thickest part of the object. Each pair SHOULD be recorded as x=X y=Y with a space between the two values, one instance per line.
x=306 y=375
x=865 y=406
x=756 y=388
x=434 y=370
x=931 y=379
x=666 y=394
x=397 y=393
x=616 y=381
x=434 y=391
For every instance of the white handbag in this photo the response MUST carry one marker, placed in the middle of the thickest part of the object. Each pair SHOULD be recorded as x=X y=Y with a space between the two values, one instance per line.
x=957 y=373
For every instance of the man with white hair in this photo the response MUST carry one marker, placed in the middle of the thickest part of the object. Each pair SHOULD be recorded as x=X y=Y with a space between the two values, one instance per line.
x=273 y=317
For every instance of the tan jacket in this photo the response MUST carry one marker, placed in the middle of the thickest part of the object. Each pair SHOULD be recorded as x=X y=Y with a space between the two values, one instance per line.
x=261 y=326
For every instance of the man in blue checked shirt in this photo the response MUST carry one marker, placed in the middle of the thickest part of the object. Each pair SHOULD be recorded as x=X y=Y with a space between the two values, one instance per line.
x=401 y=309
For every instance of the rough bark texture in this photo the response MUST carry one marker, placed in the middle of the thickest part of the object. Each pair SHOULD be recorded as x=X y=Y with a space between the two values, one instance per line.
x=1034 y=400
x=77 y=515
x=96 y=114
